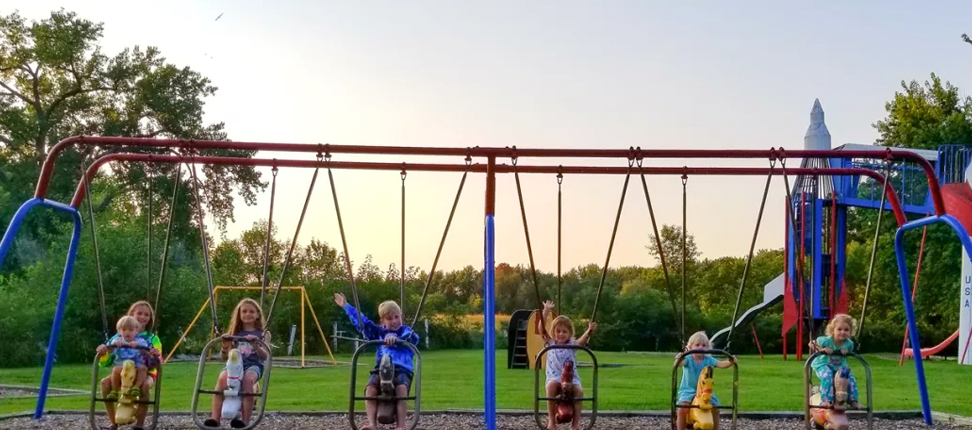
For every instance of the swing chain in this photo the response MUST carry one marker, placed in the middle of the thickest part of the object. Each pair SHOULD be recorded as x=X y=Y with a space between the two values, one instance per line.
x=403 y=173
x=513 y=156
x=560 y=175
x=273 y=171
x=468 y=158
x=684 y=176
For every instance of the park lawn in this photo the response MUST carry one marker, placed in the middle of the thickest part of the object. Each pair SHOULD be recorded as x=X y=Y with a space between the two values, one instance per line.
x=454 y=379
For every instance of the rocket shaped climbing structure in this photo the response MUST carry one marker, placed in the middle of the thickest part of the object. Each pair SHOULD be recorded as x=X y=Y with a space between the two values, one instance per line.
x=811 y=295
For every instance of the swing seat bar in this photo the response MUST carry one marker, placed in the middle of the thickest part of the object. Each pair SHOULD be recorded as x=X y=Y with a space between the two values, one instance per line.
x=416 y=381
x=807 y=385
x=680 y=358
x=536 y=384
x=201 y=370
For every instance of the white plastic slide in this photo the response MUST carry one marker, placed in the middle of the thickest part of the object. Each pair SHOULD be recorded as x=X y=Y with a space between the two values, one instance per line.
x=772 y=294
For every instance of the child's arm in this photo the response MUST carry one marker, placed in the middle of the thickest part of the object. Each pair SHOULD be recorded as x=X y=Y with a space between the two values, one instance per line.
x=724 y=364
x=106 y=359
x=409 y=335
x=824 y=344
x=261 y=348
x=369 y=330
x=547 y=307
x=591 y=326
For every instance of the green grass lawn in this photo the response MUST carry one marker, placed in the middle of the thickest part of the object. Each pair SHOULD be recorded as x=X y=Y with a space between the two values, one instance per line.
x=454 y=379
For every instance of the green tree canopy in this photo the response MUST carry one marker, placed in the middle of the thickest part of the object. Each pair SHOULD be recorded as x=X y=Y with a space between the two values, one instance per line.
x=56 y=81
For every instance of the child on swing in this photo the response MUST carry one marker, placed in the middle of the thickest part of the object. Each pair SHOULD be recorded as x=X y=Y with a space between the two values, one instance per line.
x=248 y=323
x=563 y=334
x=390 y=330
x=691 y=369
x=127 y=346
x=145 y=315
x=836 y=345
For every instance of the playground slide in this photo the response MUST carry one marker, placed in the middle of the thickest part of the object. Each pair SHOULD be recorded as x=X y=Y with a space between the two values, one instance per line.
x=772 y=294
x=925 y=352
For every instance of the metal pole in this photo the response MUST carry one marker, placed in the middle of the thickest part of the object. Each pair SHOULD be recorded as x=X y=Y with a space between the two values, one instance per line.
x=489 y=304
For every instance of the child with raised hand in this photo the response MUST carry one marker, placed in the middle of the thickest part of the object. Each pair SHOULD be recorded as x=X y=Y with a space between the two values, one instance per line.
x=562 y=333
x=248 y=323
x=390 y=330
x=691 y=369
x=127 y=346
x=145 y=315
x=836 y=345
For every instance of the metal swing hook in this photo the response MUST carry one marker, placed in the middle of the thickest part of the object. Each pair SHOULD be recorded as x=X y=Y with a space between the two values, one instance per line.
x=403 y=173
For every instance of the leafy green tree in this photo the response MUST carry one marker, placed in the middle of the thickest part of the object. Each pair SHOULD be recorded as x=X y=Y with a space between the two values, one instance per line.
x=926 y=116
x=56 y=81
x=671 y=244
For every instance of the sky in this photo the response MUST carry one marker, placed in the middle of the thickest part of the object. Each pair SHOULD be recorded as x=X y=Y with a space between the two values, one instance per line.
x=539 y=74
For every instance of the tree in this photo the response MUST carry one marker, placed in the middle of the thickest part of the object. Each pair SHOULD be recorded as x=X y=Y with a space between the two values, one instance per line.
x=671 y=240
x=926 y=116
x=55 y=81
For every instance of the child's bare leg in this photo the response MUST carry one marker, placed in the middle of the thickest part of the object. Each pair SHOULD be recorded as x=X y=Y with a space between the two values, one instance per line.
x=553 y=388
x=578 y=407
x=682 y=415
x=249 y=381
x=401 y=407
x=140 y=373
x=142 y=410
x=109 y=406
x=218 y=398
x=116 y=378
x=371 y=408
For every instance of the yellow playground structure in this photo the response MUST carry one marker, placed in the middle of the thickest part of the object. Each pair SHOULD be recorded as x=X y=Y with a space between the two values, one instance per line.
x=305 y=303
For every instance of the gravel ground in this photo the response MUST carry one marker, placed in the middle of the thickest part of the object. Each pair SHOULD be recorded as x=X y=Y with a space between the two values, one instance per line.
x=447 y=421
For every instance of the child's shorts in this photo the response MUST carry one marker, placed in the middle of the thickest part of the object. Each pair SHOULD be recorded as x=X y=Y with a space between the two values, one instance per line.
x=402 y=377
x=255 y=368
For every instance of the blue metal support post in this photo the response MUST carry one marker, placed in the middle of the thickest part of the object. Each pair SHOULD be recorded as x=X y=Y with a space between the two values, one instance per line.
x=818 y=281
x=7 y=242
x=906 y=296
x=489 y=300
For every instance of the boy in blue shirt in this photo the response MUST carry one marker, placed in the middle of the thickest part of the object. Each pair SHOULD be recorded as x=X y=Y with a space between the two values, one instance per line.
x=390 y=330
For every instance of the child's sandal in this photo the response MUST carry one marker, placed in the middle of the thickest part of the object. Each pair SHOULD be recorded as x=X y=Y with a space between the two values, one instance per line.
x=135 y=392
x=112 y=395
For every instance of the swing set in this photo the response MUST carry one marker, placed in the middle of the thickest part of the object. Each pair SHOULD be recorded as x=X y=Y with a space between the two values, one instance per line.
x=189 y=152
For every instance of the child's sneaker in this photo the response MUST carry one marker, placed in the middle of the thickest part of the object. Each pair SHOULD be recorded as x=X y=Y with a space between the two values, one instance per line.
x=112 y=395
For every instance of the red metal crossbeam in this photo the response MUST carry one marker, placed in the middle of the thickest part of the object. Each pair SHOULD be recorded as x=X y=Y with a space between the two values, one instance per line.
x=768 y=154
x=482 y=168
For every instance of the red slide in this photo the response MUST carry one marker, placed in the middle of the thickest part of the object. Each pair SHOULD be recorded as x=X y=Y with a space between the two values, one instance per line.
x=925 y=352
x=958 y=203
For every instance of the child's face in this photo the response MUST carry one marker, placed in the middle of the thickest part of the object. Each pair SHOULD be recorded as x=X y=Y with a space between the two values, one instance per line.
x=842 y=331
x=249 y=314
x=392 y=320
x=143 y=315
x=128 y=333
x=698 y=344
x=561 y=334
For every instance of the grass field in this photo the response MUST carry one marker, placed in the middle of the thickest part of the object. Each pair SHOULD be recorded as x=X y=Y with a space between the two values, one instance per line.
x=454 y=379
